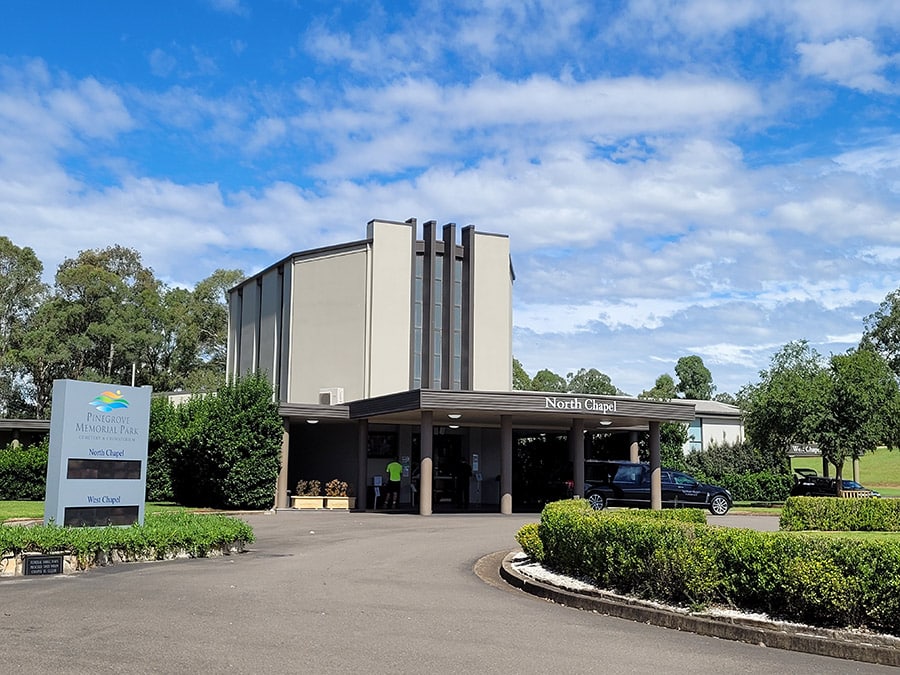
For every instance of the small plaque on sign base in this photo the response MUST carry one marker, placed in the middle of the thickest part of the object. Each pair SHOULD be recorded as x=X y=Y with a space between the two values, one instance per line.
x=42 y=564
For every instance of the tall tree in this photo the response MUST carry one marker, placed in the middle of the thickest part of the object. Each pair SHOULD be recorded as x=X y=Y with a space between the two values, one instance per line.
x=694 y=378
x=21 y=293
x=882 y=330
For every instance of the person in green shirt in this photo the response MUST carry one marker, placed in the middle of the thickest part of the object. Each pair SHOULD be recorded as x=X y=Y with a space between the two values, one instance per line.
x=392 y=495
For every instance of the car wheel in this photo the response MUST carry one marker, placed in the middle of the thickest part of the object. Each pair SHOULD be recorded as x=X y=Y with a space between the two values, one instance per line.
x=595 y=499
x=719 y=505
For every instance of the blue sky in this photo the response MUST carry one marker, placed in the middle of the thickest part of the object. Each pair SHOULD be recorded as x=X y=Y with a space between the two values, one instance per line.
x=694 y=177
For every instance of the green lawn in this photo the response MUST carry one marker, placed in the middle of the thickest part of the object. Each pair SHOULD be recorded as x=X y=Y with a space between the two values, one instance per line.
x=13 y=509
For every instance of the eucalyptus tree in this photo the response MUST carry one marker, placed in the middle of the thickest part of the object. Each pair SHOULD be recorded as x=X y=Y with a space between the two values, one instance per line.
x=21 y=293
x=520 y=379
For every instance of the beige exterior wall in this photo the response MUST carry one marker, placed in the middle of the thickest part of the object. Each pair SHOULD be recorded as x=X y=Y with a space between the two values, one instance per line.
x=328 y=334
x=721 y=431
x=491 y=314
x=390 y=293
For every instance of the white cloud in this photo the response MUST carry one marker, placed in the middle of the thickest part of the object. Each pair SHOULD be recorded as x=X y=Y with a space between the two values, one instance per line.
x=851 y=62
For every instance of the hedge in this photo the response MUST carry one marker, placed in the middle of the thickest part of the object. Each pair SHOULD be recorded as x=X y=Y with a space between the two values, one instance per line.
x=23 y=472
x=160 y=535
x=764 y=486
x=841 y=514
x=678 y=559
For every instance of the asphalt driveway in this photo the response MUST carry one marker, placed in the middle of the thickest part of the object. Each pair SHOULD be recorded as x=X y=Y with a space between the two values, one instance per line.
x=324 y=592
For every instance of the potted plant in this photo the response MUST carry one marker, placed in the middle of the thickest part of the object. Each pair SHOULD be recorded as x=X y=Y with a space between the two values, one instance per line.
x=308 y=495
x=338 y=495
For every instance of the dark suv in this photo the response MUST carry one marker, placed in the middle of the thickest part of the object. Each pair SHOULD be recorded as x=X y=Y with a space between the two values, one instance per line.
x=628 y=484
x=807 y=483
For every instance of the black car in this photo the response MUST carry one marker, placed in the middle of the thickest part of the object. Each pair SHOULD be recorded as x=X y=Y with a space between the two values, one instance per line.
x=807 y=483
x=628 y=484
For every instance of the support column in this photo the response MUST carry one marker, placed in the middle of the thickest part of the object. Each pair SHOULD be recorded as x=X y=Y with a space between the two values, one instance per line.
x=576 y=452
x=362 y=464
x=506 y=464
x=655 y=472
x=856 y=469
x=281 y=484
x=633 y=446
x=426 y=468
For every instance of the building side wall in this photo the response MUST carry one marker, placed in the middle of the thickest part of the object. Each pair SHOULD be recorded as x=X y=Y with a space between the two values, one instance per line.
x=721 y=431
x=491 y=324
x=328 y=332
x=249 y=329
x=390 y=306
x=267 y=363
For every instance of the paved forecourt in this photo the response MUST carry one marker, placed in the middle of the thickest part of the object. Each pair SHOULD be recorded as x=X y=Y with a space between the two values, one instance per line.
x=337 y=592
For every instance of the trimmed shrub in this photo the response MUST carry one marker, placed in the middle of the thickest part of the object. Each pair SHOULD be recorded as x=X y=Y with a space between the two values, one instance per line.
x=161 y=534
x=818 y=580
x=841 y=514
x=23 y=472
x=528 y=538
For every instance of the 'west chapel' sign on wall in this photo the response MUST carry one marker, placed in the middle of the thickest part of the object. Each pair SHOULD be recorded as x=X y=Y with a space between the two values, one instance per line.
x=97 y=467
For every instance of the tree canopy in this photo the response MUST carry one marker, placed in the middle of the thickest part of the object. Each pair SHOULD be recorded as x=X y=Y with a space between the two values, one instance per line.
x=106 y=318
x=846 y=406
x=882 y=331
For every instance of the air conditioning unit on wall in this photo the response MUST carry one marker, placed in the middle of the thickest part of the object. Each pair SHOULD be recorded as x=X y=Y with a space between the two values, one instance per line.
x=331 y=396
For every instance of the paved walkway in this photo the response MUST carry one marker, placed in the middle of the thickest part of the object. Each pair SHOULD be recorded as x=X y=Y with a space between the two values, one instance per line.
x=345 y=593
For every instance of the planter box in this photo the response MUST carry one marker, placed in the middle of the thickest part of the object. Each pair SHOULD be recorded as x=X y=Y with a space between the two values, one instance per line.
x=305 y=502
x=344 y=503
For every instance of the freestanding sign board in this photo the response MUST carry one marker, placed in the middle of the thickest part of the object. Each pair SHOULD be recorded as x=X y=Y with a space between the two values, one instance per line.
x=97 y=468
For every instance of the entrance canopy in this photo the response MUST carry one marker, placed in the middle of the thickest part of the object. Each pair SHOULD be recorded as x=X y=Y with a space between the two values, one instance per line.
x=526 y=410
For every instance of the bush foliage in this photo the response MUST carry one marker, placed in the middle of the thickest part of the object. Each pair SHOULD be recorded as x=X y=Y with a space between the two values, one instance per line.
x=220 y=451
x=833 y=514
x=23 y=472
x=800 y=577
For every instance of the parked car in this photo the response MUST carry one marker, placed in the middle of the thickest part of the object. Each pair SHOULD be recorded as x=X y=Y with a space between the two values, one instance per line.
x=609 y=483
x=807 y=483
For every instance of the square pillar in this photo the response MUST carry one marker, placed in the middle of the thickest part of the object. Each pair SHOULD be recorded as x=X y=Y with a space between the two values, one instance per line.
x=362 y=461
x=576 y=452
x=281 y=483
x=655 y=468
x=426 y=468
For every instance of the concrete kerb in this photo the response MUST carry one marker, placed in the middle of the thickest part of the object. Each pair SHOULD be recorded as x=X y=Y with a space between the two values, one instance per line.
x=823 y=642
